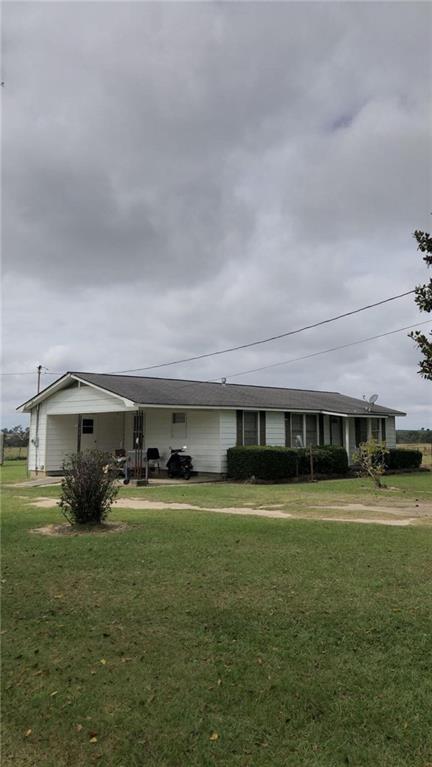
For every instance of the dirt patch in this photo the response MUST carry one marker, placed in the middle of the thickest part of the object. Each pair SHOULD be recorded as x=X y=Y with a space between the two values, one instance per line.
x=402 y=520
x=371 y=521
x=72 y=530
x=417 y=509
x=45 y=503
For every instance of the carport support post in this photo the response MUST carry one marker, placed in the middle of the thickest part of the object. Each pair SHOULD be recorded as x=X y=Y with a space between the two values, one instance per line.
x=347 y=438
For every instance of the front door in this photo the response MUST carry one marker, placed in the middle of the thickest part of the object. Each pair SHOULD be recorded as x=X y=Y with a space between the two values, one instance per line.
x=88 y=433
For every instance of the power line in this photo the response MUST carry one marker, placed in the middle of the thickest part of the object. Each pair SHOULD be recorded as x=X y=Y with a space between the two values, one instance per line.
x=265 y=340
x=325 y=351
x=31 y=373
x=259 y=342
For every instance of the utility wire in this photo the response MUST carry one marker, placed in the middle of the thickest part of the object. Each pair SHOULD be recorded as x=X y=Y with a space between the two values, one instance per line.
x=257 y=343
x=264 y=340
x=32 y=373
x=325 y=351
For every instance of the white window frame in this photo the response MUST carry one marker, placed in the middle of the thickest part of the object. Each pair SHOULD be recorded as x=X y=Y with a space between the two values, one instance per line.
x=257 y=413
x=304 y=430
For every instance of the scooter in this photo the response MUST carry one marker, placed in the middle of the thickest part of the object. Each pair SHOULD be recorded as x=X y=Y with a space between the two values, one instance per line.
x=179 y=464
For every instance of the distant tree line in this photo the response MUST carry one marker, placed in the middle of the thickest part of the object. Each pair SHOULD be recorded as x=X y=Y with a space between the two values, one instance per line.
x=414 y=436
x=16 y=437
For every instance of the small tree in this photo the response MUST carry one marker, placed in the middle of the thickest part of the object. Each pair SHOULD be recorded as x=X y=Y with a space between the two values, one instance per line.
x=423 y=299
x=371 y=457
x=88 y=487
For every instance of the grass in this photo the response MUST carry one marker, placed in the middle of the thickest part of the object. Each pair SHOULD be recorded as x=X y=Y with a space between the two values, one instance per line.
x=205 y=639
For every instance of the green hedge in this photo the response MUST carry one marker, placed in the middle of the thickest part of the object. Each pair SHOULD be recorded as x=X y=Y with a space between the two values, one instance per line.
x=275 y=463
x=399 y=458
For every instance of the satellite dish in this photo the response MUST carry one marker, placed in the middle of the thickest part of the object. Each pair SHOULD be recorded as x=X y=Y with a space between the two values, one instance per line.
x=372 y=399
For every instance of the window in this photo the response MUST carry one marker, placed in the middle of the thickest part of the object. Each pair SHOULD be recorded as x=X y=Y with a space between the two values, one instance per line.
x=297 y=439
x=301 y=429
x=250 y=428
x=287 y=429
x=179 y=417
x=383 y=429
x=311 y=430
x=87 y=425
x=375 y=428
x=138 y=431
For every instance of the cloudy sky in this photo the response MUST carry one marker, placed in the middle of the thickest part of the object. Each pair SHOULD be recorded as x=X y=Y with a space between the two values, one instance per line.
x=182 y=177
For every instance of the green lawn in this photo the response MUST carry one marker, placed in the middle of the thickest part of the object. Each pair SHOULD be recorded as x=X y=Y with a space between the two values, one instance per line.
x=199 y=639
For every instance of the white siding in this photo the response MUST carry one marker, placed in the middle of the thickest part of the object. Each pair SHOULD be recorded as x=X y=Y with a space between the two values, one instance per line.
x=202 y=436
x=37 y=453
x=203 y=440
x=62 y=436
x=275 y=428
x=61 y=439
x=391 y=431
x=108 y=429
x=83 y=399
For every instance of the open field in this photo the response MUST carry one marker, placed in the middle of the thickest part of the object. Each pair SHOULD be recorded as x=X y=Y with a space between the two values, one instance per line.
x=11 y=453
x=195 y=638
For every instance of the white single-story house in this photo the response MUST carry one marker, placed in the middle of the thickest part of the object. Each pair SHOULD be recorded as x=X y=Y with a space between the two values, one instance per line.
x=80 y=411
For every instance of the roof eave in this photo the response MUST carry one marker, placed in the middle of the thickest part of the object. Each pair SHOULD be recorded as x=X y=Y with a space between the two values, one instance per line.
x=58 y=384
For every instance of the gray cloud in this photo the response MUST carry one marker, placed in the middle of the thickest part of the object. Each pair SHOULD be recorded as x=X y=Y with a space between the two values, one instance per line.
x=183 y=177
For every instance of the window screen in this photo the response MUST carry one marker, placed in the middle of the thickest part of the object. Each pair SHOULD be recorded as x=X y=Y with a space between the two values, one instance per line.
x=375 y=430
x=87 y=425
x=336 y=430
x=250 y=428
x=287 y=429
x=311 y=430
x=297 y=430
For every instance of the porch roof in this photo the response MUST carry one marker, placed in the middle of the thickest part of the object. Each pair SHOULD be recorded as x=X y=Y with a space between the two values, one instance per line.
x=169 y=392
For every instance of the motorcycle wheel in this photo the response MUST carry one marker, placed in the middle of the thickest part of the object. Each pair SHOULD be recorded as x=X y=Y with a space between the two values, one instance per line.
x=187 y=474
x=126 y=481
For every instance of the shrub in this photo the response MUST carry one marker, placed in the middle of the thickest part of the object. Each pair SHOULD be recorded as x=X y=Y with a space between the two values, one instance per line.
x=88 y=487
x=398 y=458
x=329 y=459
x=275 y=463
x=371 y=458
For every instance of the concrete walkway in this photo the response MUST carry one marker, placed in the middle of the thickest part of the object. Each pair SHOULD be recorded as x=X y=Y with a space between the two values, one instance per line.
x=37 y=482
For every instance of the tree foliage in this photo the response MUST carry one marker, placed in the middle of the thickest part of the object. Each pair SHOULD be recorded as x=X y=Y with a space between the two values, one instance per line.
x=88 y=487
x=16 y=436
x=423 y=299
x=414 y=436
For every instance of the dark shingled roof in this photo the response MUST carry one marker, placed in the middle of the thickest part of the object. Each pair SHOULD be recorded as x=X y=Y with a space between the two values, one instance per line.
x=169 y=391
